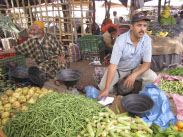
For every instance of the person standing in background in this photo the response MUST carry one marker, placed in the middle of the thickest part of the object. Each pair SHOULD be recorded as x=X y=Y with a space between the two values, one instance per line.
x=116 y=19
x=121 y=20
x=106 y=21
x=177 y=19
x=181 y=20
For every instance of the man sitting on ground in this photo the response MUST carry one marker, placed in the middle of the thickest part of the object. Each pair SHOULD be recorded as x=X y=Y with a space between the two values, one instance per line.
x=44 y=49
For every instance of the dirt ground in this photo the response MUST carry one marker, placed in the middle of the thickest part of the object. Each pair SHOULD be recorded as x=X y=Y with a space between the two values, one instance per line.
x=85 y=80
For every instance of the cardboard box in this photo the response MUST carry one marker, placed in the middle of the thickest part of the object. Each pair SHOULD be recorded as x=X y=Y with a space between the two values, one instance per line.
x=8 y=43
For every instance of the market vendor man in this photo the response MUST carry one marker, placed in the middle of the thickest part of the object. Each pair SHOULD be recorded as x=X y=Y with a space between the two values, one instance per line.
x=43 y=48
x=129 y=50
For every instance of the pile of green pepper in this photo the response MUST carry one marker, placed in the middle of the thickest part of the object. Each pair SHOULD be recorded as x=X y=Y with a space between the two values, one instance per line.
x=171 y=86
x=107 y=124
x=178 y=71
x=6 y=83
x=169 y=132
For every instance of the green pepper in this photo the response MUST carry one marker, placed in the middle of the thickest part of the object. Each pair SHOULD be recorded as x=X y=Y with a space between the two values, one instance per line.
x=138 y=134
x=180 y=134
x=170 y=131
x=171 y=136
x=156 y=129
x=160 y=135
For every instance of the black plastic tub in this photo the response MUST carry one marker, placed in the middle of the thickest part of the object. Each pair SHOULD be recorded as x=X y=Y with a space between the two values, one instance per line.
x=70 y=77
x=19 y=74
x=137 y=103
x=36 y=77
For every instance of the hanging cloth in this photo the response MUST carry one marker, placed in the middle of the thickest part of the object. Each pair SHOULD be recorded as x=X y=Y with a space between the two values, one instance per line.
x=124 y=2
x=137 y=4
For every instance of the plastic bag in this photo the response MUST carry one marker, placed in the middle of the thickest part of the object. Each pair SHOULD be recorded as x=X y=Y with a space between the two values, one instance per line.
x=91 y=92
x=161 y=113
x=178 y=100
x=75 y=91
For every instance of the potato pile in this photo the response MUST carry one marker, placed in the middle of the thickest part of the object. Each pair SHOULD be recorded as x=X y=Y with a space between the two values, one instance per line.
x=12 y=101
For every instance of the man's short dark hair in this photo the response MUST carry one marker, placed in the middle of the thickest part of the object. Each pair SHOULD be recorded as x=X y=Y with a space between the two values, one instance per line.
x=111 y=29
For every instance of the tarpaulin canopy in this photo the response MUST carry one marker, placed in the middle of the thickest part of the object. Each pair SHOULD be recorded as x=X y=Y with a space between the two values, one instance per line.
x=125 y=2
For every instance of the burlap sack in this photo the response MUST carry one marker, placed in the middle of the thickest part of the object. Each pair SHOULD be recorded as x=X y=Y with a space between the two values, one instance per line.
x=167 y=45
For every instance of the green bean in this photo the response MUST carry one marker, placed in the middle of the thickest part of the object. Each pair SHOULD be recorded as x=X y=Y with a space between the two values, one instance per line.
x=53 y=115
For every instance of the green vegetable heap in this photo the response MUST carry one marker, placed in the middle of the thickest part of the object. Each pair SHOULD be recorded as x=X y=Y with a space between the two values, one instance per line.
x=171 y=86
x=107 y=124
x=6 y=83
x=174 y=72
x=54 y=115
x=169 y=132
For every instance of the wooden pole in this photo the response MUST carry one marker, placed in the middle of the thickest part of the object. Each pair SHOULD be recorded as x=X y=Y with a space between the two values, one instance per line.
x=41 y=16
x=94 y=29
x=7 y=4
x=60 y=25
x=159 y=10
x=132 y=10
x=15 y=18
x=24 y=12
x=82 y=26
x=19 y=12
x=46 y=6
x=30 y=13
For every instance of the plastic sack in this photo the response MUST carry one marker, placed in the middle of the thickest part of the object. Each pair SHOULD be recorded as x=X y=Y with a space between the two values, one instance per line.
x=98 y=74
x=161 y=113
x=91 y=92
x=178 y=100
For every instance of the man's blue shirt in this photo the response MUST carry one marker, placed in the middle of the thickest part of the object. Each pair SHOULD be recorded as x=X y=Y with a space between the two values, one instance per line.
x=129 y=57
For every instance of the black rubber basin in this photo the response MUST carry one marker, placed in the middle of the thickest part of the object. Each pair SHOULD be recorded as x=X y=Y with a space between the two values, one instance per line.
x=70 y=77
x=36 y=76
x=137 y=103
x=19 y=74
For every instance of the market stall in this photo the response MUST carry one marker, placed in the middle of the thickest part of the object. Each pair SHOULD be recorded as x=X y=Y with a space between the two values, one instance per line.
x=167 y=46
x=29 y=110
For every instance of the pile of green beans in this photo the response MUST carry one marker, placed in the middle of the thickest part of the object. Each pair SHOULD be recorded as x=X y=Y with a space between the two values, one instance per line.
x=171 y=86
x=54 y=115
x=178 y=71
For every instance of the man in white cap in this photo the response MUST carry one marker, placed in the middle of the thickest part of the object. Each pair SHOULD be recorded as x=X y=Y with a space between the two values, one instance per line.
x=43 y=48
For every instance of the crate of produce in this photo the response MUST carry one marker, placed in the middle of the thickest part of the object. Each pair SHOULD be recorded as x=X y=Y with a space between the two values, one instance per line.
x=91 y=43
x=19 y=60
x=93 y=55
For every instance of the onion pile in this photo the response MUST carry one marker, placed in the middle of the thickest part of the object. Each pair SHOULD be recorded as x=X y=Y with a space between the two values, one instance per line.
x=12 y=101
